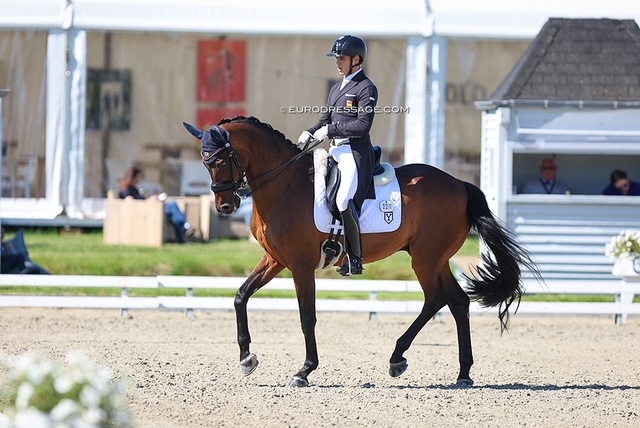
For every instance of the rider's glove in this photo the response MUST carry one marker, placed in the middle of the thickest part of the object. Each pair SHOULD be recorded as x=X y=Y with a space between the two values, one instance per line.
x=321 y=134
x=304 y=138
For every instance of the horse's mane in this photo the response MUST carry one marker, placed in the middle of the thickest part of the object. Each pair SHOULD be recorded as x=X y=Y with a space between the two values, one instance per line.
x=259 y=123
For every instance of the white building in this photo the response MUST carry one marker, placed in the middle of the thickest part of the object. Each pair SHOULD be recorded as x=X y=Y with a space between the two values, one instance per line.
x=573 y=96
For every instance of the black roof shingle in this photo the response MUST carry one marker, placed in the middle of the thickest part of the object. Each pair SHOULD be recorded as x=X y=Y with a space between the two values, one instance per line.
x=585 y=61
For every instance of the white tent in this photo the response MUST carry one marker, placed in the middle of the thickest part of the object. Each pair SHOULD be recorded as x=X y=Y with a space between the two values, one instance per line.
x=426 y=25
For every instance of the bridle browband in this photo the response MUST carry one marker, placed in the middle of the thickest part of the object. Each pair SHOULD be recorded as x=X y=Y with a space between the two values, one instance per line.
x=242 y=187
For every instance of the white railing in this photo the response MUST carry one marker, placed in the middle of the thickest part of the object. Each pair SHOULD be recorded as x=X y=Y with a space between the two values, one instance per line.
x=623 y=290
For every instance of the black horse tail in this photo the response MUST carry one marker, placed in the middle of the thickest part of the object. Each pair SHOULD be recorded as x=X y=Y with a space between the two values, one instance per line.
x=497 y=280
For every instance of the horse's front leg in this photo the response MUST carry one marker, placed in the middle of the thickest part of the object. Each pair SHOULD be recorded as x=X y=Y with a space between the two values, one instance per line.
x=306 y=292
x=266 y=269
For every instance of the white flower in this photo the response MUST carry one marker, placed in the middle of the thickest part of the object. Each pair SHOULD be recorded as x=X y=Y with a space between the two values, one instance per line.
x=64 y=410
x=5 y=422
x=39 y=392
x=25 y=392
x=32 y=418
x=63 y=383
x=625 y=244
x=89 y=397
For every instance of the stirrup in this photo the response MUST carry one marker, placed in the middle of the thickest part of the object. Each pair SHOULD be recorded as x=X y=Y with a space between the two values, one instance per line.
x=353 y=266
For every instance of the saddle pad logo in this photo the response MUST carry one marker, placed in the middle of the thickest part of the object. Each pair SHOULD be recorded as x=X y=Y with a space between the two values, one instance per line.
x=387 y=211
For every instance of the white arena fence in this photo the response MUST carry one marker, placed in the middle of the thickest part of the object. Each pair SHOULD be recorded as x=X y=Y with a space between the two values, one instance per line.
x=623 y=290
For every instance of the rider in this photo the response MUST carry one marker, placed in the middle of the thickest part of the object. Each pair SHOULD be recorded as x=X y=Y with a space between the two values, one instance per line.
x=347 y=122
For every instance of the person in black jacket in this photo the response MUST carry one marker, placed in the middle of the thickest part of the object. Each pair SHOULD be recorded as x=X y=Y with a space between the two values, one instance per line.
x=15 y=256
x=620 y=184
x=347 y=121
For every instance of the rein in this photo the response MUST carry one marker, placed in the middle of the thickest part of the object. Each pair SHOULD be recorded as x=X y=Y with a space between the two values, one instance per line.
x=242 y=189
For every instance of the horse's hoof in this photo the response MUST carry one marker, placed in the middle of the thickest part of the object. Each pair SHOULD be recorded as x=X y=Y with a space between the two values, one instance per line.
x=297 y=382
x=464 y=383
x=249 y=364
x=396 y=369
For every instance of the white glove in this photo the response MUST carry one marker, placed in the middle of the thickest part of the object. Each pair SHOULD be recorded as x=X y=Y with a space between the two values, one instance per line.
x=321 y=134
x=304 y=138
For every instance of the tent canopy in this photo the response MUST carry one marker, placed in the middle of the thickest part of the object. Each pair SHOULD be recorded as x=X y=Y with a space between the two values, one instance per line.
x=401 y=18
x=503 y=19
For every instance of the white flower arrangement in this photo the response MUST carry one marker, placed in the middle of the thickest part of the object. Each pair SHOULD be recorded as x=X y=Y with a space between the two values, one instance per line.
x=626 y=244
x=38 y=392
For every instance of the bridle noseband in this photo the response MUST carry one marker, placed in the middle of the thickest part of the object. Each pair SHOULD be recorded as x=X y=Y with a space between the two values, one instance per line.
x=240 y=187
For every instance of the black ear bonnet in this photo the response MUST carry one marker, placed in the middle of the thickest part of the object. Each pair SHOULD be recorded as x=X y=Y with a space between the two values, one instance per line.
x=213 y=141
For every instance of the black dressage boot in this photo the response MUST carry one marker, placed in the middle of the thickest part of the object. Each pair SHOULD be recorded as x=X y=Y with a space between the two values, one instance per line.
x=353 y=242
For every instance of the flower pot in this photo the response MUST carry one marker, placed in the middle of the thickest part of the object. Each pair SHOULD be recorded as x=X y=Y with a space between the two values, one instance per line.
x=627 y=266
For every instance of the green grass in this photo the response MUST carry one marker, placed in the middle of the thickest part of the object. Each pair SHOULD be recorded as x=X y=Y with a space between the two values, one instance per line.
x=85 y=254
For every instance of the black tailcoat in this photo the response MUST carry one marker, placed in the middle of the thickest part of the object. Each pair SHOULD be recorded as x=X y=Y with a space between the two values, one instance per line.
x=349 y=114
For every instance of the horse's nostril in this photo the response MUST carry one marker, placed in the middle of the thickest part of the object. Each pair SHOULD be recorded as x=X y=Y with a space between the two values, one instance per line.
x=226 y=209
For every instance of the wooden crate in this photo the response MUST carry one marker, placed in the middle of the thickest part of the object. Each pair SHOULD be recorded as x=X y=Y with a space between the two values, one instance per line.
x=134 y=222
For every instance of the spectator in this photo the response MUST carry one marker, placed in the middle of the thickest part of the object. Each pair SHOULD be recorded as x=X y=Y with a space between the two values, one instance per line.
x=129 y=189
x=621 y=185
x=547 y=183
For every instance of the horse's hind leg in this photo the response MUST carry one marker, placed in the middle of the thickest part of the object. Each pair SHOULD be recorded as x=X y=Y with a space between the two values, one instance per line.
x=458 y=302
x=266 y=269
x=433 y=302
x=449 y=292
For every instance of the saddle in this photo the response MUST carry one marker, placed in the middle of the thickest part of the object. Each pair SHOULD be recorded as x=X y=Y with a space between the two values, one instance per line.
x=332 y=248
x=333 y=179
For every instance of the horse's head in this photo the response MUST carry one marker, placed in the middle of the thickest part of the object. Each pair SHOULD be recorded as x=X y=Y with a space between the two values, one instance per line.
x=228 y=180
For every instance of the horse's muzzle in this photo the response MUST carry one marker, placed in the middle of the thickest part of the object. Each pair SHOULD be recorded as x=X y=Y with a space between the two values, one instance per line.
x=226 y=209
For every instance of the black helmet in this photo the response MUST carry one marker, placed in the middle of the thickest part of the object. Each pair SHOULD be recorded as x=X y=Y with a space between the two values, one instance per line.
x=349 y=46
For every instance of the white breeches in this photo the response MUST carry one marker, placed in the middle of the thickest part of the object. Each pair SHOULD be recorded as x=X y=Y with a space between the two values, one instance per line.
x=348 y=174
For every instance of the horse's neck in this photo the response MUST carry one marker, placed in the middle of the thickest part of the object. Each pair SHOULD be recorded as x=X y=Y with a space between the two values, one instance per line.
x=281 y=188
x=271 y=179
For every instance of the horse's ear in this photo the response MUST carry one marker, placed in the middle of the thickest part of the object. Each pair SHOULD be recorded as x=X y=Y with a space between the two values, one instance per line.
x=193 y=130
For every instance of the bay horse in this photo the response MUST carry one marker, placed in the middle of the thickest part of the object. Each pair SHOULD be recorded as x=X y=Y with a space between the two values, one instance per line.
x=245 y=155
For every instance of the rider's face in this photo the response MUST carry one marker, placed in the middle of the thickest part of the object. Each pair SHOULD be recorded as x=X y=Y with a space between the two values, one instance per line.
x=344 y=64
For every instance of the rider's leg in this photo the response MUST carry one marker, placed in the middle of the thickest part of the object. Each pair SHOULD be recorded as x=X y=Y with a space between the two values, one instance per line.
x=353 y=241
x=344 y=201
x=348 y=175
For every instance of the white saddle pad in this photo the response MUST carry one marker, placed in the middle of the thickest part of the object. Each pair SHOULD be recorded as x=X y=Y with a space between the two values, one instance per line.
x=380 y=215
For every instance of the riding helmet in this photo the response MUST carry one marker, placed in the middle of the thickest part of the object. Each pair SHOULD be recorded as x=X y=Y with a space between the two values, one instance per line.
x=349 y=46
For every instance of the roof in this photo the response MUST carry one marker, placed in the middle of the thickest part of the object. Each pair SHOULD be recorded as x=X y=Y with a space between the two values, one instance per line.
x=499 y=19
x=576 y=61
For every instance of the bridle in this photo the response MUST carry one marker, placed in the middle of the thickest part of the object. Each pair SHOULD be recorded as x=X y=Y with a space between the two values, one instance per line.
x=242 y=186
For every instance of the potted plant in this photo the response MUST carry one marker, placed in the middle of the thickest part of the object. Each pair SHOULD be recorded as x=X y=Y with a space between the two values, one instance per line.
x=624 y=250
x=39 y=392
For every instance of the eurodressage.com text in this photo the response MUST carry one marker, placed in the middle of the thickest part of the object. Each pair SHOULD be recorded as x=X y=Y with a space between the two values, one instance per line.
x=344 y=109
